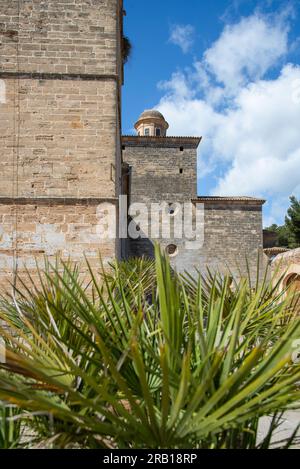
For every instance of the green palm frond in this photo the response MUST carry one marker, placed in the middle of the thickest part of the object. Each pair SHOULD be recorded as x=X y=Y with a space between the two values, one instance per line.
x=146 y=358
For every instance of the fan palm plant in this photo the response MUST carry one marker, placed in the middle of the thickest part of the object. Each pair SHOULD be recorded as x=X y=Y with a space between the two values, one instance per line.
x=10 y=427
x=146 y=358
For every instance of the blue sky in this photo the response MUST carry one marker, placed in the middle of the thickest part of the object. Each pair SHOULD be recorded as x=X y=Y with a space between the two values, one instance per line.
x=230 y=72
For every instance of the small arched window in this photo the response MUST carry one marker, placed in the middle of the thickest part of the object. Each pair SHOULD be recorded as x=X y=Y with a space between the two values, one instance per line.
x=157 y=132
x=293 y=282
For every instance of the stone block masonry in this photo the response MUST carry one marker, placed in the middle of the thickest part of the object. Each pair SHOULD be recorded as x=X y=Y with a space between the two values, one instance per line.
x=61 y=70
x=65 y=144
x=232 y=236
x=60 y=36
x=164 y=170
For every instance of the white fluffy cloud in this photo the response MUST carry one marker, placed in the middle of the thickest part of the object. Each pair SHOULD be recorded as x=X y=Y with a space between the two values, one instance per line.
x=182 y=36
x=250 y=124
x=245 y=51
x=261 y=138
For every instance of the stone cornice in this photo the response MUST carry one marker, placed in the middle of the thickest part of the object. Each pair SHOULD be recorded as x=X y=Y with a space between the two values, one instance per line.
x=58 y=76
x=160 y=142
x=56 y=200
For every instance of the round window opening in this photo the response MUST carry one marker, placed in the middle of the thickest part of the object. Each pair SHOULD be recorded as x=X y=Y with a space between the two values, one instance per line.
x=172 y=209
x=172 y=250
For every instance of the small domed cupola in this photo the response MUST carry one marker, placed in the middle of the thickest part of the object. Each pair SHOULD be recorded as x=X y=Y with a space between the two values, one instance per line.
x=151 y=123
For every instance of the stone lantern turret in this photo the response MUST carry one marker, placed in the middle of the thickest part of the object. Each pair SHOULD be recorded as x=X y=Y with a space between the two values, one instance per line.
x=151 y=123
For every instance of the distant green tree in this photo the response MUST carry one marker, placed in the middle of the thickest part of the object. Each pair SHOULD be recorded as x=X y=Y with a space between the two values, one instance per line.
x=282 y=234
x=292 y=222
x=289 y=233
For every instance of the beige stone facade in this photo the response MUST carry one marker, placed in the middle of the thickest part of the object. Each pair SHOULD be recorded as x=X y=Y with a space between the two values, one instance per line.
x=63 y=145
x=163 y=170
x=233 y=241
x=61 y=73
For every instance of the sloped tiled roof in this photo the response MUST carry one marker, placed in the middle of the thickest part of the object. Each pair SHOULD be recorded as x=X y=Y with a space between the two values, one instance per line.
x=275 y=250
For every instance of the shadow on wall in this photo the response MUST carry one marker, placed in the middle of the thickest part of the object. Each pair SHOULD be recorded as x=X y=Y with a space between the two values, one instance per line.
x=140 y=247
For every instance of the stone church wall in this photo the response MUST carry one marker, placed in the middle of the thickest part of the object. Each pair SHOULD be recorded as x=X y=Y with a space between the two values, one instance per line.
x=231 y=228
x=60 y=36
x=155 y=174
x=162 y=170
x=232 y=234
x=63 y=144
x=61 y=73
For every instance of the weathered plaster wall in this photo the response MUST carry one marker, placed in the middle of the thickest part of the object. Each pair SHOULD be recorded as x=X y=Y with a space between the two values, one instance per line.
x=51 y=228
